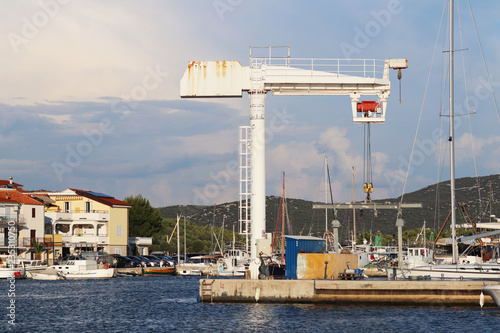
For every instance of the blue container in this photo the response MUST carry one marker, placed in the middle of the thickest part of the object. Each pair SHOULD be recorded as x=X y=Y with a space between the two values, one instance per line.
x=298 y=244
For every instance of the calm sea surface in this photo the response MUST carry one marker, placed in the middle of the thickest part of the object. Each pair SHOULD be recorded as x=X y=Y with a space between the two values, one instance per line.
x=162 y=304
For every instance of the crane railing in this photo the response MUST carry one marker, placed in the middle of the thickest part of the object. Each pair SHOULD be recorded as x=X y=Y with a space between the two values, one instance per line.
x=365 y=68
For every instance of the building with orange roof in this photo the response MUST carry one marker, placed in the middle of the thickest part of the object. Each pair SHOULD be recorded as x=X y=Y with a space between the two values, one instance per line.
x=26 y=215
x=88 y=221
x=64 y=222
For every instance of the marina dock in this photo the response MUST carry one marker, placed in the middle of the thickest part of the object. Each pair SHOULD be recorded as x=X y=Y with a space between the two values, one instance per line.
x=357 y=292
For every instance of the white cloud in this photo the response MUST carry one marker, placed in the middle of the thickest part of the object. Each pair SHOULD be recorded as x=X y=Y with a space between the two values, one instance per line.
x=64 y=80
x=214 y=143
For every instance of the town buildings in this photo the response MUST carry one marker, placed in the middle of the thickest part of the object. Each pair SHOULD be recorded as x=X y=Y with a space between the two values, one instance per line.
x=64 y=222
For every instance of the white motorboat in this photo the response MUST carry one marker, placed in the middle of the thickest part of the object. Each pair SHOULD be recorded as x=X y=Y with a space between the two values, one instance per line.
x=235 y=262
x=33 y=265
x=22 y=269
x=16 y=272
x=46 y=274
x=80 y=268
x=11 y=268
x=198 y=265
x=188 y=271
x=494 y=292
x=460 y=271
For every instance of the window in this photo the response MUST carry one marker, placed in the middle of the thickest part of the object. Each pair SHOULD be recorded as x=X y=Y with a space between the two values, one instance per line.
x=119 y=230
x=118 y=251
x=33 y=212
x=67 y=206
x=88 y=207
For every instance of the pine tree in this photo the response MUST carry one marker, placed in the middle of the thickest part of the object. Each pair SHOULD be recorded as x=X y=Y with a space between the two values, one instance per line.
x=144 y=220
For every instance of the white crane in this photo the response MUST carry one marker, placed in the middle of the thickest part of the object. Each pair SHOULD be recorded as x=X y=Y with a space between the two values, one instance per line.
x=288 y=76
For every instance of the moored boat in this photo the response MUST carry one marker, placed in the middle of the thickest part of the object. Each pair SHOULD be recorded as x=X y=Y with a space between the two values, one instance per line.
x=81 y=268
x=188 y=271
x=235 y=262
x=10 y=268
x=459 y=271
x=494 y=292
x=198 y=265
x=16 y=272
x=154 y=271
x=46 y=274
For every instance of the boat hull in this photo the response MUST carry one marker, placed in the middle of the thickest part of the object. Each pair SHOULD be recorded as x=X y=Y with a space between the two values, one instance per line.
x=188 y=271
x=48 y=275
x=91 y=274
x=490 y=272
x=84 y=269
x=155 y=271
x=494 y=292
x=8 y=273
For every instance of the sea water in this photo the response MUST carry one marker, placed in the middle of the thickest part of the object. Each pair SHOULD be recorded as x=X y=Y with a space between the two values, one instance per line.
x=170 y=303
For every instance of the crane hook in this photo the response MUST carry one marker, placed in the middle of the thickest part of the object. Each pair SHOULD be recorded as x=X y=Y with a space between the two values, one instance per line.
x=400 y=75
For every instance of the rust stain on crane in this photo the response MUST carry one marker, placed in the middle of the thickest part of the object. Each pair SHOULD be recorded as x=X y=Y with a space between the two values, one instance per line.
x=221 y=68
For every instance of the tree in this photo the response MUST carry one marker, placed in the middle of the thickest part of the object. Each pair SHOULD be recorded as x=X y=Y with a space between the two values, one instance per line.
x=37 y=248
x=144 y=220
x=198 y=246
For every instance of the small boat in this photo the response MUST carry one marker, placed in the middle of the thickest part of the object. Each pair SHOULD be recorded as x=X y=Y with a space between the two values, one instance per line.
x=33 y=265
x=80 y=268
x=16 y=272
x=154 y=271
x=494 y=292
x=188 y=271
x=235 y=262
x=198 y=265
x=9 y=269
x=46 y=274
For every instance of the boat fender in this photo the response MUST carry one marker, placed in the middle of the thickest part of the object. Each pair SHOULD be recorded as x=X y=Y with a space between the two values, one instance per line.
x=106 y=266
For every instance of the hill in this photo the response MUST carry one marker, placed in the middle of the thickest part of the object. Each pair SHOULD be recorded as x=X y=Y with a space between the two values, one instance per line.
x=306 y=221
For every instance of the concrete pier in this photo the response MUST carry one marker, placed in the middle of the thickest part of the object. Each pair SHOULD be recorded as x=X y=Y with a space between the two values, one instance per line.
x=361 y=292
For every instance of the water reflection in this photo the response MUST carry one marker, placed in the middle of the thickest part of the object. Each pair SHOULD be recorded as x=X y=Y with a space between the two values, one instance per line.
x=159 y=304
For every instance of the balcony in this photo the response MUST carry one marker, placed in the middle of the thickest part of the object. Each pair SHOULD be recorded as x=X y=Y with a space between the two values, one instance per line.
x=46 y=241
x=4 y=220
x=89 y=239
x=94 y=215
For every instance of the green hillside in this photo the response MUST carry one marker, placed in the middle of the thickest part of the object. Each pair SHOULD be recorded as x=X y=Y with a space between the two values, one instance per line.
x=306 y=221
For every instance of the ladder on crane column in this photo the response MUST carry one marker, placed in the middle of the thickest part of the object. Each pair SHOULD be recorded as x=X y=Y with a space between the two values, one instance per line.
x=245 y=182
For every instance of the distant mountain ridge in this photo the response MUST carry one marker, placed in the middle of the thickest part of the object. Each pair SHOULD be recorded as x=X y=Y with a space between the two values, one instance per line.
x=306 y=221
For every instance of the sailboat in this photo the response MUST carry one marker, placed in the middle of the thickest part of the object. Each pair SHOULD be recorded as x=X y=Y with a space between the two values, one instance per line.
x=456 y=270
x=235 y=260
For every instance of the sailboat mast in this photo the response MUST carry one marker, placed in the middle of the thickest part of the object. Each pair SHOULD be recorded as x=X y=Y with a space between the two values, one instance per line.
x=452 y=143
x=353 y=210
x=326 y=193
x=283 y=221
x=185 y=252
x=178 y=239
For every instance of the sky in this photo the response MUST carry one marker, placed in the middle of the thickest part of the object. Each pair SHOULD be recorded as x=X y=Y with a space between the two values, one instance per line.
x=89 y=97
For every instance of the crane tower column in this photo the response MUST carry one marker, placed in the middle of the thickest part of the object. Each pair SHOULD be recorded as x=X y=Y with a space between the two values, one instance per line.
x=258 y=162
